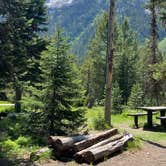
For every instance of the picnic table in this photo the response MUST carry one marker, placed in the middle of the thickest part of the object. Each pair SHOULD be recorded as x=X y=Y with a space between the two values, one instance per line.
x=150 y=111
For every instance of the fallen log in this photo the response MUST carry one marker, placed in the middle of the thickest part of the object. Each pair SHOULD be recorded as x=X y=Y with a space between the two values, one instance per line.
x=94 y=140
x=65 y=143
x=101 y=152
x=80 y=155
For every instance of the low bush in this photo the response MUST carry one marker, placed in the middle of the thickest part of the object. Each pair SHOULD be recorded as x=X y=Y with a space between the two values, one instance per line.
x=23 y=141
x=99 y=122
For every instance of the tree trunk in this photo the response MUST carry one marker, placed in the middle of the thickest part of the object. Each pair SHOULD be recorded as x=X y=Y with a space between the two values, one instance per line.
x=101 y=152
x=90 y=89
x=80 y=155
x=153 y=35
x=109 y=61
x=64 y=143
x=18 y=96
x=93 y=140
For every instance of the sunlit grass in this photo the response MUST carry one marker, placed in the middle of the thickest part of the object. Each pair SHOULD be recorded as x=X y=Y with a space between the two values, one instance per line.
x=6 y=108
x=124 y=122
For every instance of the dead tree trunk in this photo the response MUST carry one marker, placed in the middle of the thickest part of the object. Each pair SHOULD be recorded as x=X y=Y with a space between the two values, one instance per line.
x=101 y=152
x=93 y=140
x=18 y=96
x=109 y=63
x=65 y=143
x=80 y=155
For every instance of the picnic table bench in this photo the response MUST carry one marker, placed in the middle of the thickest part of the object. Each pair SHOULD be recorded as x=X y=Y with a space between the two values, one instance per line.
x=136 y=115
x=163 y=120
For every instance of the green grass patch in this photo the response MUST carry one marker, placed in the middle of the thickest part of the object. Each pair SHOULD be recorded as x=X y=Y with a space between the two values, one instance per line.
x=6 y=108
x=135 y=144
x=124 y=122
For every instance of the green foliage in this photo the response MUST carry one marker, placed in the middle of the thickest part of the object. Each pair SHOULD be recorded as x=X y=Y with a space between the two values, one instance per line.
x=99 y=122
x=126 y=56
x=116 y=99
x=20 y=42
x=152 y=88
x=43 y=156
x=23 y=141
x=125 y=62
x=60 y=85
x=135 y=144
x=86 y=15
x=6 y=108
x=9 y=147
x=162 y=47
x=136 y=97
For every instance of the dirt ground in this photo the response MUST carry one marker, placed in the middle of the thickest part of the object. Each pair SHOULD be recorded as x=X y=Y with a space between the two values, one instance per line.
x=151 y=154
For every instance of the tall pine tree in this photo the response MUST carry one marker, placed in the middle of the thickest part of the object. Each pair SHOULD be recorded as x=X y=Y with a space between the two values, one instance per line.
x=20 y=43
x=60 y=86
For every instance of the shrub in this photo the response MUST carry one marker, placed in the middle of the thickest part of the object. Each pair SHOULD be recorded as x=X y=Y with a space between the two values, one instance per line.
x=99 y=122
x=9 y=145
x=136 y=97
x=135 y=144
x=23 y=141
x=116 y=99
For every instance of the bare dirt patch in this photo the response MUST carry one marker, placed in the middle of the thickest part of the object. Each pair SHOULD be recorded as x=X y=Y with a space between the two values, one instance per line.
x=152 y=154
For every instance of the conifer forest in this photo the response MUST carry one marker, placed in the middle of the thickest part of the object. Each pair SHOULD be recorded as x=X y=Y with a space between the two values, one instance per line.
x=82 y=82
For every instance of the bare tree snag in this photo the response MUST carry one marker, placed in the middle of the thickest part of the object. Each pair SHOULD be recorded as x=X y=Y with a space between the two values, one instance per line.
x=109 y=63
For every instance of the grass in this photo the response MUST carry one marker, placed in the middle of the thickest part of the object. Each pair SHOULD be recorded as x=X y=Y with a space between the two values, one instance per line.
x=124 y=122
x=14 y=142
x=6 y=108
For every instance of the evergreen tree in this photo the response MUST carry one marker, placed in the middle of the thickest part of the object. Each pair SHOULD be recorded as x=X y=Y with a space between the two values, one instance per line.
x=126 y=59
x=116 y=98
x=20 y=43
x=60 y=86
x=152 y=86
x=136 y=97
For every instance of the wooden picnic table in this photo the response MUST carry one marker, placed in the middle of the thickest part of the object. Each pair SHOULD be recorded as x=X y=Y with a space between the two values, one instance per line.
x=150 y=111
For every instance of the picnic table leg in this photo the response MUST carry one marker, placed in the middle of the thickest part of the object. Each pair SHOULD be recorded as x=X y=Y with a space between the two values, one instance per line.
x=162 y=113
x=150 y=124
x=136 y=121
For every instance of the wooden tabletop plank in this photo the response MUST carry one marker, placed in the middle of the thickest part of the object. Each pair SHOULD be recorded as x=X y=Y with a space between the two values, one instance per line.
x=153 y=108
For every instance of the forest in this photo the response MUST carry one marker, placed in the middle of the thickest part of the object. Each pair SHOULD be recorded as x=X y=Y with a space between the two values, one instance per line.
x=80 y=76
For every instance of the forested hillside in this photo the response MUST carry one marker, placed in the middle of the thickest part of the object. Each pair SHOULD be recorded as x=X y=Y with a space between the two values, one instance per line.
x=69 y=68
x=79 y=19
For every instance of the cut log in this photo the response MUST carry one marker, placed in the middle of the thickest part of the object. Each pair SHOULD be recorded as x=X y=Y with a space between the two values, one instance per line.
x=79 y=155
x=94 y=140
x=64 y=143
x=101 y=152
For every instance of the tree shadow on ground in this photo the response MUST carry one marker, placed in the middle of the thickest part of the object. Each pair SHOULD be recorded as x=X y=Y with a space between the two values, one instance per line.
x=154 y=143
x=155 y=128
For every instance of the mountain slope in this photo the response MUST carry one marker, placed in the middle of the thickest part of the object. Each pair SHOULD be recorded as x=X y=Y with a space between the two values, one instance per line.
x=77 y=18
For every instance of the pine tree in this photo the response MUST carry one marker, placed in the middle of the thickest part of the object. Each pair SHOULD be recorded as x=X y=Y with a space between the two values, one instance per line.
x=152 y=86
x=60 y=86
x=126 y=57
x=20 y=45
x=116 y=98
x=136 y=97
